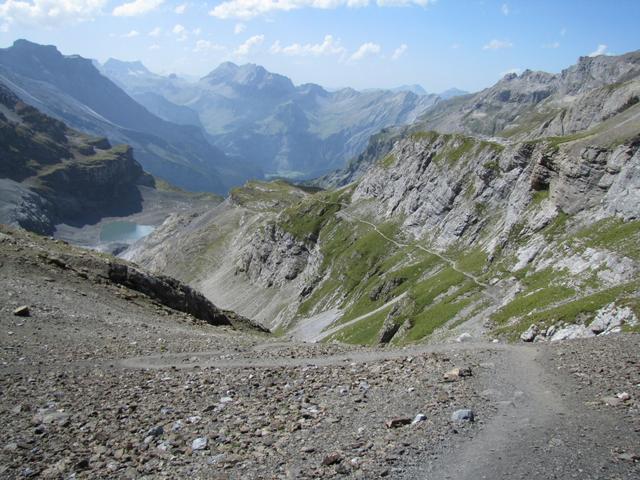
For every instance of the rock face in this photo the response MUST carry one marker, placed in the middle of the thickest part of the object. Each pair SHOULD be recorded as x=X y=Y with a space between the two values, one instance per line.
x=611 y=318
x=169 y=292
x=448 y=201
x=54 y=174
x=273 y=257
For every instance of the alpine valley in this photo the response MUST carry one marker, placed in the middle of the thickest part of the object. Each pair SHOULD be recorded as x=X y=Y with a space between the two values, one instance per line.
x=238 y=277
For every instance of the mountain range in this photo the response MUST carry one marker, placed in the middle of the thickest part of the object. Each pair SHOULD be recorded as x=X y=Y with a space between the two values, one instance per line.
x=528 y=106
x=513 y=211
x=71 y=89
x=290 y=131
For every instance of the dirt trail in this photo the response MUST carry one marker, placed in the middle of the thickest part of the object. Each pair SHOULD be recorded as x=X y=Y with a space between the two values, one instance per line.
x=326 y=333
x=542 y=429
x=475 y=279
x=211 y=359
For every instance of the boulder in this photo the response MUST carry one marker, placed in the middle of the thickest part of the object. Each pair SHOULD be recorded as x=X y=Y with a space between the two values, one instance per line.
x=572 y=332
x=22 y=311
x=530 y=334
x=419 y=418
x=612 y=317
x=457 y=373
x=199 y=443
x=397 y=422
x=332 y=459
x=463 y=415
x=464 y=337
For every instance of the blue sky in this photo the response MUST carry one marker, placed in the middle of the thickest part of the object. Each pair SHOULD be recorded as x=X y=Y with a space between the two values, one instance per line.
x=359 y=43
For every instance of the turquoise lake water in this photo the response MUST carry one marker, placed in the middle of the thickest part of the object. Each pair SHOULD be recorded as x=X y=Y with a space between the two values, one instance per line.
x=124 y=232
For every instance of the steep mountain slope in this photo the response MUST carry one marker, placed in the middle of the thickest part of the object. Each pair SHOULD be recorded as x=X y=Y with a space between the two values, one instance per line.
x=71 y=89
x=52 y=174
x=143 y=85
x=529 y=106
x=535 y=104
x=293 y=131
x=445 y=233
x=57 y=181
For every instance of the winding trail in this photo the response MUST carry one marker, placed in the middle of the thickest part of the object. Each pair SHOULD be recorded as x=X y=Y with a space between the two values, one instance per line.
x=475 y=279
x=326 y=333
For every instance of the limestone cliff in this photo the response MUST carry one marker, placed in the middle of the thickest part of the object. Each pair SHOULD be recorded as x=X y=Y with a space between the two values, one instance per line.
x=53 y=174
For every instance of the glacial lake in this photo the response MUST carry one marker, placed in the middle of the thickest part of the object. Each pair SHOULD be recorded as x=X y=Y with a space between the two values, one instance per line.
x=124 y=232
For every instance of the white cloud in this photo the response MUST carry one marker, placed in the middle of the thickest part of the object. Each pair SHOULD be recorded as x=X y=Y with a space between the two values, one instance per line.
x=246 y=9
x=551 y=45
x=155 y=46
x=247 y=46
x=601 y=50
x=181 y=32
x=365 y=49
x=131 y=34
x=505 y=9
x=239 y=28
x=497 y=45
x=196 y=31
x=136 y=7
x=180 y=9
x=399 y=52
x=206 y=46
x=329 y=46
x=155 y=32
x=48 y=12
x=455 y=46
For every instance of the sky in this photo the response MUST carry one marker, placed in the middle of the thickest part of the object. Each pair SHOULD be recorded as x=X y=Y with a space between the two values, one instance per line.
x=437 y=44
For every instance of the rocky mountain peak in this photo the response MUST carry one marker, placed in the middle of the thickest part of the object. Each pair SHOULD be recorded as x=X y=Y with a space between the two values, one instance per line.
x=249 y=76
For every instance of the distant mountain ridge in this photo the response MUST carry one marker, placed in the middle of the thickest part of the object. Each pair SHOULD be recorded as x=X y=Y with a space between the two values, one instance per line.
x=572 y=100
x=529 y=106
x=293 y=131
x=70 y=88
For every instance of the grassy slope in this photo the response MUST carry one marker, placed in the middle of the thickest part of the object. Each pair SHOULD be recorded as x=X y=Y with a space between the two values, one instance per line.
x=357 y=261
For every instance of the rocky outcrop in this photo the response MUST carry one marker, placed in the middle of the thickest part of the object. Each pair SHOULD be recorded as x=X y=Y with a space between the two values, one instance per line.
x=378 y=147
x=273 y=257
x=53 y=174
x=168 y=291
x=535 y=104
x=449 y=187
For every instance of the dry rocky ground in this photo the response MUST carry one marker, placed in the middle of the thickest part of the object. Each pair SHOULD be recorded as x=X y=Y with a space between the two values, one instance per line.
x=100 y=381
